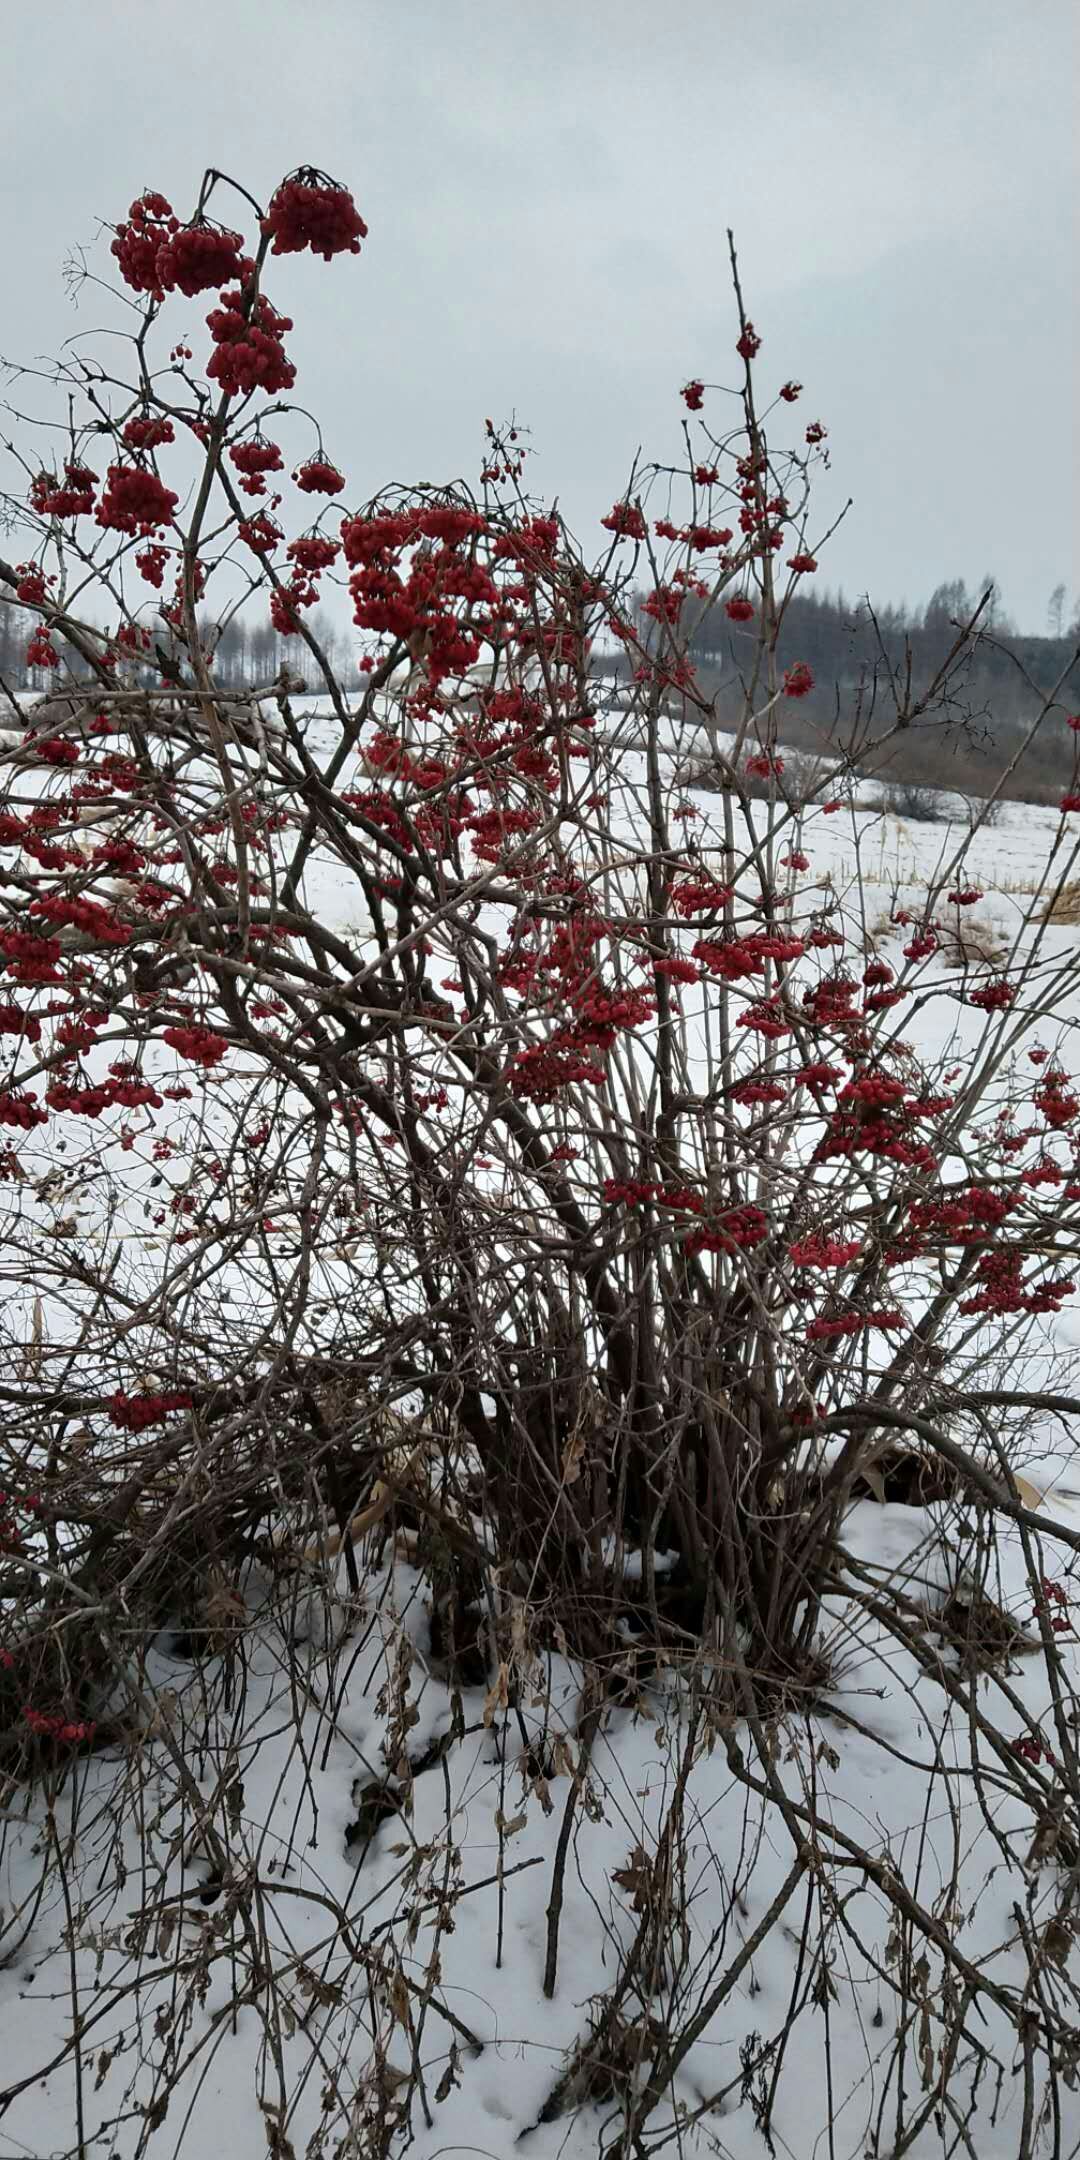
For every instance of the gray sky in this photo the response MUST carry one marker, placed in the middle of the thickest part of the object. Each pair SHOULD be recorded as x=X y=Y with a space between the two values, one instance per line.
x=547 y=185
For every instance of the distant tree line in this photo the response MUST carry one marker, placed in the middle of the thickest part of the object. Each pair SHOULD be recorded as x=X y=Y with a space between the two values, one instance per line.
x=853 y=651
x=245 y=653
x=859 y=655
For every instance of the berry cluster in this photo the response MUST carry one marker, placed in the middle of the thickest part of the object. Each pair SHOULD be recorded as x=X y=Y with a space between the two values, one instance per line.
x=21 y=1110
x=319 y=477
x=1005 y=1290
x=200 y=1045
x=824 y=1252
x=626 y=521
x=311 y=211
x=156 y=254
x=699 y=896
x=996 y=996
x=53 y=1726
x=830 y=1328
x=134 y=1413
x=91 y=1101
x=148 y=431
x=312 y=553
x=253 y=459
x=249 y=354
x=41 y=652
x=71 y=497
x=737 y=1231
x=135 y=501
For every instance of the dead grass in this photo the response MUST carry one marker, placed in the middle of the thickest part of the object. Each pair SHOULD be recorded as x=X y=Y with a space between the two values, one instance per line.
x=974 y=941
x=1065 y=905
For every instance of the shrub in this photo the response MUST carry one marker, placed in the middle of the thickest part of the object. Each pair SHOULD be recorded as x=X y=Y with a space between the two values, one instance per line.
x=581 y=1209
x=918 y=805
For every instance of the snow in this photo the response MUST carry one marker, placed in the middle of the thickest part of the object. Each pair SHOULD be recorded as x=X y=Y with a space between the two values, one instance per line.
x=212 y=2020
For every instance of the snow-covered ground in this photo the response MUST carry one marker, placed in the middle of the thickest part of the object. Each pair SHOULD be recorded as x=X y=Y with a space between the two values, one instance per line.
x=283 y=2006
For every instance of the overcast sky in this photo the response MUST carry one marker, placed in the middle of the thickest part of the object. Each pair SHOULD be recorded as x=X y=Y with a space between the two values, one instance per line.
x=547 y=185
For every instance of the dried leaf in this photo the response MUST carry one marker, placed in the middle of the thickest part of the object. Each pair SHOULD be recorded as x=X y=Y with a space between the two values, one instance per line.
x=33 y=1348
x=398 y=1994
x=498 y=1696
x=574 y=1456
x=636 y=1878
x=450 y=2076
x=509 y=1826
x=1056 y=1941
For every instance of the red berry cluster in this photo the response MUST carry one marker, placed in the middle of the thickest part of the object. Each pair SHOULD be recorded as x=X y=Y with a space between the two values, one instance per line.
x=319 y=477
x=200 y=1045
x=701 y=538
x=148 y=431
x=693 y=395
x=33 y=584
x=629 y=1192
x=1005 y=1290
x=752 y=1092
x=260 y=533
x=541 y=1073
x=798 y=680
x=150 y=563
x=41 y=652
x=830 y=1328
x=21 y=1110
x=699 y=896
x=824 y=1252
x=817 y=1075
x=733 y=958
x=626 y=521
x=156 y=254
x=313 y=553
x=1052 y=1602
x=53 y=1726
x=740 y=608
x=249 y=354
x=91 y=1101
x=767 y=1018
x=996 y=996
x=965 y=1214
x=875 y=1090
x=71 y=497
x=14 y=1021
x=12 y=1533
x=677 y=970
x=135 y=501
x=88 y=916
x=198 y=257
x=134 y=1413
x=737 y=1231
x=311 y=211
x=253 y=459
x=922 y=945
